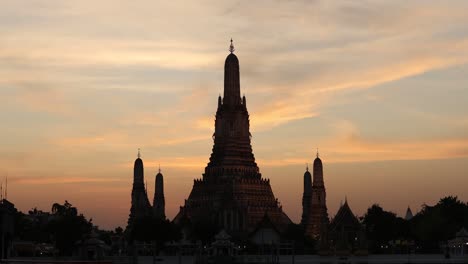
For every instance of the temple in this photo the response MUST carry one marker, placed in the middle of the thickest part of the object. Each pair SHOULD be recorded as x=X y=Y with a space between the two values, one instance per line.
x=314 y=207
x=140 y=205
x=159 y=203
x=346 y=233
x=232 y=195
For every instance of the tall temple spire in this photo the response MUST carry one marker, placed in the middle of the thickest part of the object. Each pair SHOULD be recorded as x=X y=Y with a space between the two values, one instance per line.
x=232 y=151
x=231 y=79
x=317 y=219
x=306 y=197
x=318 y=171
x=159 y=203
x=140 y=203
x=232 y=193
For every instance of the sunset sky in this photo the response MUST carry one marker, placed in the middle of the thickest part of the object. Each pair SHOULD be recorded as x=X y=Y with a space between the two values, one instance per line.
x=380 y=87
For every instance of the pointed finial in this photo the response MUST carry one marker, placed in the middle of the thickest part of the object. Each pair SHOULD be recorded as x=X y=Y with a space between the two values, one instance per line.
x=6 y=187
x=317 y=153
x=139 y=155
x=159 y=168
x=231 y=48
x=346 y=199
x=307 y=166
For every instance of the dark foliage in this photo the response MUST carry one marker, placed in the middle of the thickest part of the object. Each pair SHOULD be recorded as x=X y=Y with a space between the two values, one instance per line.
x=439 y=223
x=63 y=227
x=425 y=232
x=382 y=227
x=67 y=227
x=153 y=229
x=303 y=244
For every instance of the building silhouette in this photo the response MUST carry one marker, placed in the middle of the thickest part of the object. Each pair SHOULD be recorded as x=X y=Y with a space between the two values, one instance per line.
x=7 y=226
x=159 y=203
x=314 y=207
x=307 y=198
x=140 y=204
x=409 y=214
x=346 y=233
x=232 y=195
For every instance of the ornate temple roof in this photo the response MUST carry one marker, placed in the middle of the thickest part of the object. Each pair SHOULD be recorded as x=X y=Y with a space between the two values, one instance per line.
x=266 y=222
x=345 y=217
x=409 y=214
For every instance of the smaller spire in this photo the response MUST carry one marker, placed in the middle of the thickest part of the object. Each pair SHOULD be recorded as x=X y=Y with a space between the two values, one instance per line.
x=139 y=154
x=231 y=47
x=307 y=166
x=346 y=199
x=317 y=153
x=159 y=168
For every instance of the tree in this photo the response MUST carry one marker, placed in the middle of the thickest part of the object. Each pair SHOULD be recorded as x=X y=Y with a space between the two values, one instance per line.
x=67 y=227
x=439 y=223
x=382 y=227
x=302 y=243
x=155 y=230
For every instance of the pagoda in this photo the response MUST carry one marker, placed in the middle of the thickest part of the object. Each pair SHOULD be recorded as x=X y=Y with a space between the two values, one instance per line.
x=314 y=207
x=232 y=195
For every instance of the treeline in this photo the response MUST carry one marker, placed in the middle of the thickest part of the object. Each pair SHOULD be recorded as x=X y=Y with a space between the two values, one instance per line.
x=63 y=227
x=423 y=233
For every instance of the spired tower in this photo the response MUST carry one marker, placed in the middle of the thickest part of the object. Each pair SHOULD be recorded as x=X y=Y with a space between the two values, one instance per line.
x=232 y=194
x=140 y=203
x=158 y=201
x=306 y=198
x=315 y=215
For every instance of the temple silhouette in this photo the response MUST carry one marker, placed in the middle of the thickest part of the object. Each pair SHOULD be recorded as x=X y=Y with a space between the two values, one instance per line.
x=140 y=205
x=233 y=198
x=314 y=207
x=232 y=194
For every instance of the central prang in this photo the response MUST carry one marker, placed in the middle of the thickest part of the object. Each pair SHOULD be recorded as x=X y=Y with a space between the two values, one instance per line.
x=232 y=194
